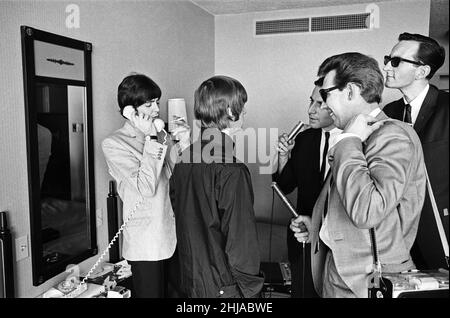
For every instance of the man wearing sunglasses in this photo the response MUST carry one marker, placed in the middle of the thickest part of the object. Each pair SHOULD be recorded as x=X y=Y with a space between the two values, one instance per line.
x=411 y=64
x=377 y=182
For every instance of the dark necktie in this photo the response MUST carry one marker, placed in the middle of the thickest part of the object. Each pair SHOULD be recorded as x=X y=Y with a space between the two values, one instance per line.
x=407 y=114
x=324 y=156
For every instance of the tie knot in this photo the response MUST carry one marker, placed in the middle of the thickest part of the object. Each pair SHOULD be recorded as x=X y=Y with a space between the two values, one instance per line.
x=327 y=134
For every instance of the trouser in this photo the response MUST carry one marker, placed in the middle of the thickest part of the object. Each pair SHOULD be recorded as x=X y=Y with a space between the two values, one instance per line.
x=295 y=255
x=333 y=285
x=149 y=279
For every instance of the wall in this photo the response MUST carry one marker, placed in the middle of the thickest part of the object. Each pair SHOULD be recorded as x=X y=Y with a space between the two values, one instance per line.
x=278 y=71
x=173 y=42
x=441 y=78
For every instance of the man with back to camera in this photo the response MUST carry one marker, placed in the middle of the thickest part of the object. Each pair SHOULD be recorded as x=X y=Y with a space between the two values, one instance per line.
x=410 y=66
x=377 y=181
x=302 y=163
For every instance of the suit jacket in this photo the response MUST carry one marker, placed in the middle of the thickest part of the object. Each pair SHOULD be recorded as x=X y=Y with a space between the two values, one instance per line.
x=302 y=171
x=379 y=184
x=432 y=127
x=142 y=183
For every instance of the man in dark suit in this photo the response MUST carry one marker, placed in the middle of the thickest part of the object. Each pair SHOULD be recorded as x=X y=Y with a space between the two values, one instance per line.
x=410 y=66
x=302 y=164
x=376 y=186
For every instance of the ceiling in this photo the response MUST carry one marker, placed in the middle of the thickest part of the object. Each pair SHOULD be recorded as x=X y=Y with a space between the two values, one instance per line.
x=438 y=15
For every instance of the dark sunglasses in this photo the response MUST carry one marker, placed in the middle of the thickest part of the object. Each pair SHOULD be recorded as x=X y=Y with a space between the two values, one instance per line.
x=324 y=92
x=395 y=61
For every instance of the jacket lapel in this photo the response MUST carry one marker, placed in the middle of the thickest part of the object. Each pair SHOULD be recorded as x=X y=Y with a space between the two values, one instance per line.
x=382 y=116
x=396 y=110
x=427 y=109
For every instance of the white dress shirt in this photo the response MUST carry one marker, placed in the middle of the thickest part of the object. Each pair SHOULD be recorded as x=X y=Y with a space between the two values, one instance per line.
x=416 y=103
x=333 y=135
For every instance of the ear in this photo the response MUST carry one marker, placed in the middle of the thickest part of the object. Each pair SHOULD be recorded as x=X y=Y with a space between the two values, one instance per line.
x=422 y=71
x=230 y=114
x=353 y=91
x=350 y=91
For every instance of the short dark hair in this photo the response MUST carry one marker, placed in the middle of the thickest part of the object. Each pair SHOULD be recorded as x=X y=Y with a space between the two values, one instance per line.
x=135 y=90
x=319 y=81
x=214 y=96
x=359 y=69
x=429 y=52
x=321 y=72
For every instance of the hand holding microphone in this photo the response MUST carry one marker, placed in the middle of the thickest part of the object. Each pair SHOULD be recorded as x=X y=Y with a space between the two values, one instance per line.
x=301 y=227
x=284 y=146
x=300 y=224
x=287 y=141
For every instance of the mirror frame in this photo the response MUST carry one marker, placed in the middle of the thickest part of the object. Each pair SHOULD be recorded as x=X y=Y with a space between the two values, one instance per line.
x=28 y=36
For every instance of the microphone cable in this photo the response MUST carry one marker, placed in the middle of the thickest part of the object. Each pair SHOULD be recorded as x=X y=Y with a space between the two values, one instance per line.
x=270 y=236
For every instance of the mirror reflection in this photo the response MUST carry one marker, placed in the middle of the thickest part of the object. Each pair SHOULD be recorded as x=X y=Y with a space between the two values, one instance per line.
x=61 y=143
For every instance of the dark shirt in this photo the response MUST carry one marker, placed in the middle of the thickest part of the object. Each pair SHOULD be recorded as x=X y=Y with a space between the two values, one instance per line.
x=212 y=198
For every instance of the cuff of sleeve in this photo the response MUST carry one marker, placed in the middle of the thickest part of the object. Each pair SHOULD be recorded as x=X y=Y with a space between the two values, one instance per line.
x=148 y=137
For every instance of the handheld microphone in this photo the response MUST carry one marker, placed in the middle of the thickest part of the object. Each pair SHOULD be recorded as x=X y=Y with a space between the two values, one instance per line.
x=302 y=226
x=283 y=198
x=295 y=131
x=286 y=201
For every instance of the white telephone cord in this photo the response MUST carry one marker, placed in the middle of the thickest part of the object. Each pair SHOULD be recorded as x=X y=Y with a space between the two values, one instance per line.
x=78 y=290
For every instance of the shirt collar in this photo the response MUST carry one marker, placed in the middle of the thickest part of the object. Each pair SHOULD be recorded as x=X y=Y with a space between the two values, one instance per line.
x=334 y=131
x=418 y=100
x=133 y=131
x=375 y=112
x=221 y=144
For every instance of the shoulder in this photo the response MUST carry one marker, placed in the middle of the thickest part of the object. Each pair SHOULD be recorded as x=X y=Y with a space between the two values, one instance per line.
x=443 y=99
x=236 y=171
x=395 y=131
x=390 y=107
x=115 y=139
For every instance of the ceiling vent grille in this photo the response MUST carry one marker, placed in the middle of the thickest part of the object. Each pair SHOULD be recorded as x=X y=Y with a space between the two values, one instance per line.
x=282 y=26
x=341 y=22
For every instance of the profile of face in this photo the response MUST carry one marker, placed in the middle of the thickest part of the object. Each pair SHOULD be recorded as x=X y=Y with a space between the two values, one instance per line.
x=319 y=117
x=405 y=73
x=150 y=108
x=337 y=102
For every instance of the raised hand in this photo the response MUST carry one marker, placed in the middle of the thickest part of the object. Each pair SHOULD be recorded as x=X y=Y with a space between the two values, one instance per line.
x=144 y=123
x=363 y=126
x=284 y=147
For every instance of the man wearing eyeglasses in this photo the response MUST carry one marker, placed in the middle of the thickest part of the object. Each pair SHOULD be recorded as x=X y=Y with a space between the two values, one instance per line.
x=302 y=164
x=410 y=66
x=376 y=185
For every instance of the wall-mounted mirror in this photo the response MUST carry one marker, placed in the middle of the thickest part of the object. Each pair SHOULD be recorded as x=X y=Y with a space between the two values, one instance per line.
x=58 y=110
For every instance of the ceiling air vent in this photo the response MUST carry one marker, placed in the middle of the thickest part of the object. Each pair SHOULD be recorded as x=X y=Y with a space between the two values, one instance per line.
x=282 y=26
x=341 y=22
